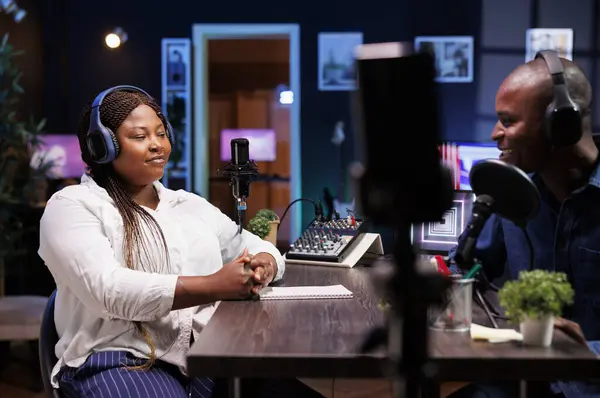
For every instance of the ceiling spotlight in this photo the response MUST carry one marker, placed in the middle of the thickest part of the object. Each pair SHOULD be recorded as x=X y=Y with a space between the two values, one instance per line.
x=112 y=40
x=10 y=7
x=115 y=38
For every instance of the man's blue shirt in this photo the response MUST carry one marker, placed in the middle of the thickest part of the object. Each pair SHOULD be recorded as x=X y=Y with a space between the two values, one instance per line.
x=566 y=238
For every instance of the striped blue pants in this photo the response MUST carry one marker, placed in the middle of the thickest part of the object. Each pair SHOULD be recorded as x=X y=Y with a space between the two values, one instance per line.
x=103 y=375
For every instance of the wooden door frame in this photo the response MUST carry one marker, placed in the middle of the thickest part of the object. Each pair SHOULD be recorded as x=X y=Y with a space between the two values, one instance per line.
x=201 y=33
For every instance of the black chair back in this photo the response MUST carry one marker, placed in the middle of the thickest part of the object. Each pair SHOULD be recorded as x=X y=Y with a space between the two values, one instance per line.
x=48 y=340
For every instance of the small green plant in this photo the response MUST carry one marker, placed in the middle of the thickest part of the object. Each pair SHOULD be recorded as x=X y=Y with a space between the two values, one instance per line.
x=259 y=226
x=19 y=138
x=267 y=214
x=535 y=294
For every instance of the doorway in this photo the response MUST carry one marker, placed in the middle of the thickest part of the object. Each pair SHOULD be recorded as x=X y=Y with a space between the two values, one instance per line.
x=240 y=72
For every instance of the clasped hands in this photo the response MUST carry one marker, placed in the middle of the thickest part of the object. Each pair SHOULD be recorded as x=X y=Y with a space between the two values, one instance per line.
x=245 y=275
x=261 y=269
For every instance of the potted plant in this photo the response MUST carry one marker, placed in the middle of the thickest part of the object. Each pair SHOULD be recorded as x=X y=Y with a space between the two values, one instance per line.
x=533 y=300
x=20 y=182
x=265 y=225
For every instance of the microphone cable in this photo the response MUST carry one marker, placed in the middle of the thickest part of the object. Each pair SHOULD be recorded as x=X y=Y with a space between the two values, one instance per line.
x=241 y=207
x=318 y=209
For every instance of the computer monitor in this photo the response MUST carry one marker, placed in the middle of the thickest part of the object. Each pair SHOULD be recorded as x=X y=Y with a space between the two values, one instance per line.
x=471 y=153
x=441 y=236
x=263 y=143
x=62 y=154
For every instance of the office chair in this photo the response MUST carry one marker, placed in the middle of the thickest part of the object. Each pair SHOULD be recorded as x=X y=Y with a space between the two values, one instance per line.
x=48 y=340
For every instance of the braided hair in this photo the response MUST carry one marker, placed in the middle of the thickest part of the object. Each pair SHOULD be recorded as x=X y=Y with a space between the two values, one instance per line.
x=115 y=108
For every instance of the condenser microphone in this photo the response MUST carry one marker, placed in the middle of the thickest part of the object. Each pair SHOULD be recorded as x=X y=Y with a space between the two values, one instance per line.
x=516 y=197
x=482 y=210
x=502 y=189
x=240 y=158
x=242 y=171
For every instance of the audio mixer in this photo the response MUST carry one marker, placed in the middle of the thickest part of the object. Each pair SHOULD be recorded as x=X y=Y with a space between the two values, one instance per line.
x=326 y=240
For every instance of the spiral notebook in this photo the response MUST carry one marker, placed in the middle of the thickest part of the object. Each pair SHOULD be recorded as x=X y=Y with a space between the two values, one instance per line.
x=305 y=293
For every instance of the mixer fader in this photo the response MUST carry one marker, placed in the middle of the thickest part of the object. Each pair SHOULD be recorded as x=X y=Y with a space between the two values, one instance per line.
x=326 y=240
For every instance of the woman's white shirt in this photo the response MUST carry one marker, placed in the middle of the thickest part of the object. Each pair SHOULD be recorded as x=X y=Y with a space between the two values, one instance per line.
x=98 y=297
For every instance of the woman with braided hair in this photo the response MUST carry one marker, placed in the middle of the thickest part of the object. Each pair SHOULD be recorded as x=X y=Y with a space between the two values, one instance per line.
x=139 y=268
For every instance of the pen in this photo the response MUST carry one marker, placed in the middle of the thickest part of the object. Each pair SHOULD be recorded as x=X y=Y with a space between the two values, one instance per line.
x=441 y=266
x=473 y=271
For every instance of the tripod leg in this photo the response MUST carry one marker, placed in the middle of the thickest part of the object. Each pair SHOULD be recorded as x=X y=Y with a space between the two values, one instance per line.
x=486 y=308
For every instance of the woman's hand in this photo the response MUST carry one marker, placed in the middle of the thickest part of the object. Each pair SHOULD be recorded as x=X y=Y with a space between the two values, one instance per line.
x=265 y=269
x=234 y=280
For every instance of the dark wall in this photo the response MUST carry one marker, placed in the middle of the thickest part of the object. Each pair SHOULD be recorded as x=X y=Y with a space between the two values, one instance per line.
x=501 y=47
x=77 y=65
x=76 y=39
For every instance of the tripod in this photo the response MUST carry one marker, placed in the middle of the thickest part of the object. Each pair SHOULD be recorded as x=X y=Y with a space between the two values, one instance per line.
x=410 y=294
x=481 y=283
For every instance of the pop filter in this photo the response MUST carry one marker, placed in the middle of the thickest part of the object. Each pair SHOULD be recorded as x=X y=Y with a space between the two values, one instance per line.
x=516 y=198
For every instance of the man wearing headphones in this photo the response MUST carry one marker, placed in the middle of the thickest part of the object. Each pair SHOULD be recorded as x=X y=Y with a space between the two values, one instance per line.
x=544 y=127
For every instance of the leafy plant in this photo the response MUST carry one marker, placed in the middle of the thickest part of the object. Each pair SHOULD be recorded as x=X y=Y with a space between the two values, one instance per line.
x=267 y=214
x=536 y=293
x=259 y=226
x=18 y=140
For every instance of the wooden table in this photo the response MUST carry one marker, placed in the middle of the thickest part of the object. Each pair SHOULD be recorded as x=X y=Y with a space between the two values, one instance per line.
x=460 y=358
x=285 y=338
x=320 y=338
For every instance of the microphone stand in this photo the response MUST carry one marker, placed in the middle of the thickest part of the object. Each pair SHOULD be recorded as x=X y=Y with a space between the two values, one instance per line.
x=481 y=282
x=488 y=308
x=241 y=207
x=482 y=210
x=507 y=191
x=410 y=293
x=241 y=177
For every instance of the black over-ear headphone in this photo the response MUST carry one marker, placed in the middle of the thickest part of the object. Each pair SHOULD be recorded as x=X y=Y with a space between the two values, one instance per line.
x=101 y=142
x=562 y=122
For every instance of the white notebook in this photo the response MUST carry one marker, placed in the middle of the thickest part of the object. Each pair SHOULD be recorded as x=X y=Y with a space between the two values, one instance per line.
x=305 y=292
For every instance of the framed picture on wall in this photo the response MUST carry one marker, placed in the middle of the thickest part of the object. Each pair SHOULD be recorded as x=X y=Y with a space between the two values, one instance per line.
x=453 y=56
x=560 y=40
x=337 y=71
x=176 y=105
x=178 y=54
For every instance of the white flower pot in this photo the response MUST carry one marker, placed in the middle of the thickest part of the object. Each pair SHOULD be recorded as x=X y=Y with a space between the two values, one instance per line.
x=272 y=236
x=538 y=332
